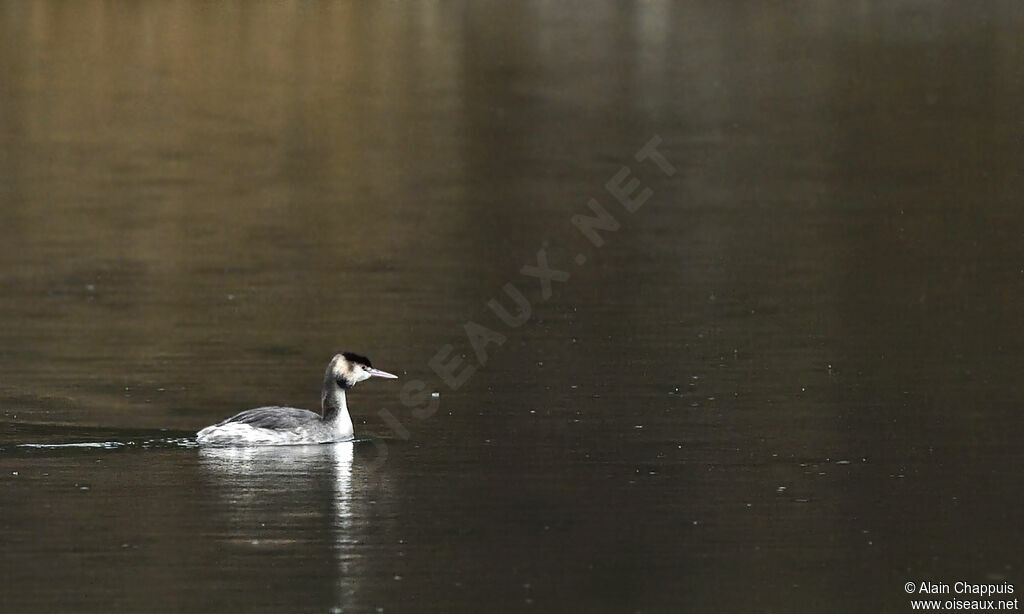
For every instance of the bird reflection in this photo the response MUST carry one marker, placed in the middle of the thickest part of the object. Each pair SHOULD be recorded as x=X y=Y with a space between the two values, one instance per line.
x=286 y=499
x=258 y=470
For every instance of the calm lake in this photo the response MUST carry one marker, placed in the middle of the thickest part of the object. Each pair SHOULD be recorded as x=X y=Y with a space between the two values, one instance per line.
x=695 y=306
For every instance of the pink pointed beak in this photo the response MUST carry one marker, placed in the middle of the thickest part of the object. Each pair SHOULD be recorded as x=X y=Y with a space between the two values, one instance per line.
x=379 y=373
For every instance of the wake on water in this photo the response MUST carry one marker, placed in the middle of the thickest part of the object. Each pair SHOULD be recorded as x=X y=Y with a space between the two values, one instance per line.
x=166 y=442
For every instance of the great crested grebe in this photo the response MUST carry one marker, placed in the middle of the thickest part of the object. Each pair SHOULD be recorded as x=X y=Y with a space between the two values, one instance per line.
x=289 y=425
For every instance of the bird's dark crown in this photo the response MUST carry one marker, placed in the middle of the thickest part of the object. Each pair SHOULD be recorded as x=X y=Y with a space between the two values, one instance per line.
x=353 y=357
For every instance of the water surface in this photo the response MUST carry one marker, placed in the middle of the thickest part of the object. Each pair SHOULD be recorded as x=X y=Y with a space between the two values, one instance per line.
x=789 y=382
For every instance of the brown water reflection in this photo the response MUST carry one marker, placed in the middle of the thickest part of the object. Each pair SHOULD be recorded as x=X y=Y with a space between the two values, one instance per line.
x=789 y=382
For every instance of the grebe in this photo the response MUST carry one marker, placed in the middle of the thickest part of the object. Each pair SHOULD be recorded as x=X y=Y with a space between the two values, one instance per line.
x=289 y=425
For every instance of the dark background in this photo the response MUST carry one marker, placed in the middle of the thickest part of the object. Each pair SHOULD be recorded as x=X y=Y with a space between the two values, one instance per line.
x=790 y=382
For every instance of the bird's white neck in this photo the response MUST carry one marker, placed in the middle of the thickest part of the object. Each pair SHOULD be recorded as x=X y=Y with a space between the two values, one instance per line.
x=333 y=404
x=335 y=410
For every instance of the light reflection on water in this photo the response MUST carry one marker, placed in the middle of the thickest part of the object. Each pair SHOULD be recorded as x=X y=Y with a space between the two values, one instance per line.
x=252 y=481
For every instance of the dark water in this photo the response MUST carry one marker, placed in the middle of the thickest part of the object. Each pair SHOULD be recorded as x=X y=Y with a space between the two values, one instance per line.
x=789 y=382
